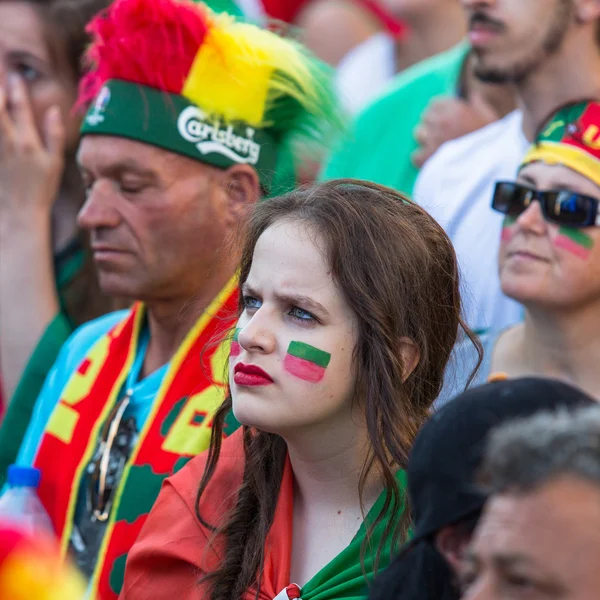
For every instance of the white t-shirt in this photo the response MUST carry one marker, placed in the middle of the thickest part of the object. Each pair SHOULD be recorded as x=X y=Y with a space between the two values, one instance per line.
x=365 y=71
x=455 y=186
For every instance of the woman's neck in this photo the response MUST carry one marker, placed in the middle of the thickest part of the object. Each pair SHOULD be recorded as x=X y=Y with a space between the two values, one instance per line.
x=327 y=463
x=327 y=466
x=563 y=346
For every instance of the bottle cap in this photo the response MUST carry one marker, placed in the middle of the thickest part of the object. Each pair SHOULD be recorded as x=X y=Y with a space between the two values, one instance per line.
x=23 y=476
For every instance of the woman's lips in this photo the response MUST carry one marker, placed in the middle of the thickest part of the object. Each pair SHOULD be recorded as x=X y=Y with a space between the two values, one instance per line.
x=250 y=375
x=524 y=255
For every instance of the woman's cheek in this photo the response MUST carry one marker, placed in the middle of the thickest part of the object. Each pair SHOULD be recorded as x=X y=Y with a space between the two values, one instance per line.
x=574 y=241
x=306 y=362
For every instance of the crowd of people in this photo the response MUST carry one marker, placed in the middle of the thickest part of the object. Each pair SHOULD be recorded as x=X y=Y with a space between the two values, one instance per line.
x=298 y=298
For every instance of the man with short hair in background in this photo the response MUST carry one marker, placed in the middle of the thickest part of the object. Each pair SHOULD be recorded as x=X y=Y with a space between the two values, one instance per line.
x=539 y=535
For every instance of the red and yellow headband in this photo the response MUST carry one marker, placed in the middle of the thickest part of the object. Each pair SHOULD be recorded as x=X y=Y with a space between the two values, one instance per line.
x=572 y=138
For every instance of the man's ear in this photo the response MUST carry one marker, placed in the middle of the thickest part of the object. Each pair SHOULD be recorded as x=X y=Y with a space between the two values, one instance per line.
x=242 y=189
x=411 y=355
x=587 y=11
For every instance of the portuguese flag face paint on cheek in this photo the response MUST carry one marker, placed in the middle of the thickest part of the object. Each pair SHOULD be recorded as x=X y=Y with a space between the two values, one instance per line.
x=235 y=345
x=575 y=241
x=306 y=362
x=507 y=231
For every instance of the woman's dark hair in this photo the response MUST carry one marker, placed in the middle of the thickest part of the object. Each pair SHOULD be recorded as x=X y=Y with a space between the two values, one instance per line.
x=65 y=22
x=420 y=572
x=398 y=271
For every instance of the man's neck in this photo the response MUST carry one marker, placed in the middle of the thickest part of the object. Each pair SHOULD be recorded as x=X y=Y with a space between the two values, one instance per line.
x=571 y=75
x=170 y=320
x=441 y=30
x=564 y=346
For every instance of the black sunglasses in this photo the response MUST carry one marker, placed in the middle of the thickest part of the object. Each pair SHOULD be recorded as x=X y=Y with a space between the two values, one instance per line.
x=558 y=206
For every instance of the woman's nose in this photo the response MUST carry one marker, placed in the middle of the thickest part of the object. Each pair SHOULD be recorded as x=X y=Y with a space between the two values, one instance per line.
x=257 y=333
x=532 y=218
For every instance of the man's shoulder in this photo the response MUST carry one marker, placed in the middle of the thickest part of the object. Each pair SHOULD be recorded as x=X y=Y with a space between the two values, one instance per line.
x=494 y=140
x=437 y=74
x=85 y=336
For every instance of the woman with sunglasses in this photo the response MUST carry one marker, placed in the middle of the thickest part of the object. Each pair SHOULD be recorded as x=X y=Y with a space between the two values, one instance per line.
x=349 y=311
x=550 y=254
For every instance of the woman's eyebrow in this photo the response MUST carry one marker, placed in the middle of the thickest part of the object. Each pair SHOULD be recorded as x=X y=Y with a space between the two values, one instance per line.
x=302 y=301
x=295 y=299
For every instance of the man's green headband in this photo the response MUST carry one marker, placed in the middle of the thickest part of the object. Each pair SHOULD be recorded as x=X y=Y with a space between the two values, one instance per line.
x=172 y=122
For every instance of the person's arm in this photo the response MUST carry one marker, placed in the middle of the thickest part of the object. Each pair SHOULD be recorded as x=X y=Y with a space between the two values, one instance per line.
x=30 y=170
x=170 y=555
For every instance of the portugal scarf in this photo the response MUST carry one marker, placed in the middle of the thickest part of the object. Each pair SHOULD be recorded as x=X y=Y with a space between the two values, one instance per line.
x=177 y=428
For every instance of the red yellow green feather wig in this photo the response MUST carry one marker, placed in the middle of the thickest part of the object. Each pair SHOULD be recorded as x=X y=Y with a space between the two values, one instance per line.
x=173 y=74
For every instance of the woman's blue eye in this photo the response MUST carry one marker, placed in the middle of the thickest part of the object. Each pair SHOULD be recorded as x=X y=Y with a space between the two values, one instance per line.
x=301 y=315
x=251 y=303
x=27 y=72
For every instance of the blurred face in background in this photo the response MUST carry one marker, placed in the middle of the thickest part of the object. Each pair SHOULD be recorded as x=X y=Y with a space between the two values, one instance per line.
x=30 y=49
x=511 y=38
x=538 y=545
x=543 y=264
x=414 y=9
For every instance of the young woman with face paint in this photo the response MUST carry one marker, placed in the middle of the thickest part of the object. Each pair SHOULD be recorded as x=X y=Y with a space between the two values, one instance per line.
x=349 y=311
x=550 y=254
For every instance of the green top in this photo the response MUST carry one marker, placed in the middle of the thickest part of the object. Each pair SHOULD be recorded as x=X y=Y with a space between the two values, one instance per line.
x=343 y=578
x=228 y=6
x=67 y=265
x=381 y=141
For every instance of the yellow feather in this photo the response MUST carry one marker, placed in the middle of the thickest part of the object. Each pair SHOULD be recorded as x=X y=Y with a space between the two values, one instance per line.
x=240 y=70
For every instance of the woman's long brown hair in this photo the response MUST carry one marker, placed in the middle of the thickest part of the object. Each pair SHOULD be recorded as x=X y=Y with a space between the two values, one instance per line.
x=398 y=271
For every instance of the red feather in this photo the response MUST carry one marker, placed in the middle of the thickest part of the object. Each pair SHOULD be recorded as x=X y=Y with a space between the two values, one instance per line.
x=288 y=10
x=153 y=43
x=283 y=10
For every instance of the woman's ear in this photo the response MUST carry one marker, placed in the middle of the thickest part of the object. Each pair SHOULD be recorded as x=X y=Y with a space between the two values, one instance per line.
x=451 y=542
x=242 y=188
x=411 y=355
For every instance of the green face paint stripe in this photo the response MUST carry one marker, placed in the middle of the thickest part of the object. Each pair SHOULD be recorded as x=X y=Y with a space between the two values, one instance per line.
x=236 y=334
x=508 y=221
x=579 y=237
x=310 y=353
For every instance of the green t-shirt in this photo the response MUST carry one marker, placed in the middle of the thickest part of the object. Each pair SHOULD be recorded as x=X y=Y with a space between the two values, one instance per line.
x=381 y=141
x=219 y=6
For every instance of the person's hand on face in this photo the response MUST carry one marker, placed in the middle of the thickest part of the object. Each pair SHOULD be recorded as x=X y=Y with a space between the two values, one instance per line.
x=447 y=119
x=31 y=164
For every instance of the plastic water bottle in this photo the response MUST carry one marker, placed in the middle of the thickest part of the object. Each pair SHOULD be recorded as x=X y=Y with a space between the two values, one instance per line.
x=20 y=503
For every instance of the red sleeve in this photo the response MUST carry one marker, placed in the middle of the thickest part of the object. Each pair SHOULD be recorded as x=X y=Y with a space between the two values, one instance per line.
x=166 y=562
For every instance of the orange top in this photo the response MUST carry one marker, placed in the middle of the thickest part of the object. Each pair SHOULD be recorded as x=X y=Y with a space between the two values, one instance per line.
x=174 y=550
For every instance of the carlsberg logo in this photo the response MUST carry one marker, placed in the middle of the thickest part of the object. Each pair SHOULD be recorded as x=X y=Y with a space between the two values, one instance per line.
x=211 y=138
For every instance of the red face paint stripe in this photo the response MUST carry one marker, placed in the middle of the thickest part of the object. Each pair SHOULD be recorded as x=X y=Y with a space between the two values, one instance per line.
x=507 y=232
x=303 y=369
x=565 y=243
x=236 y=349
